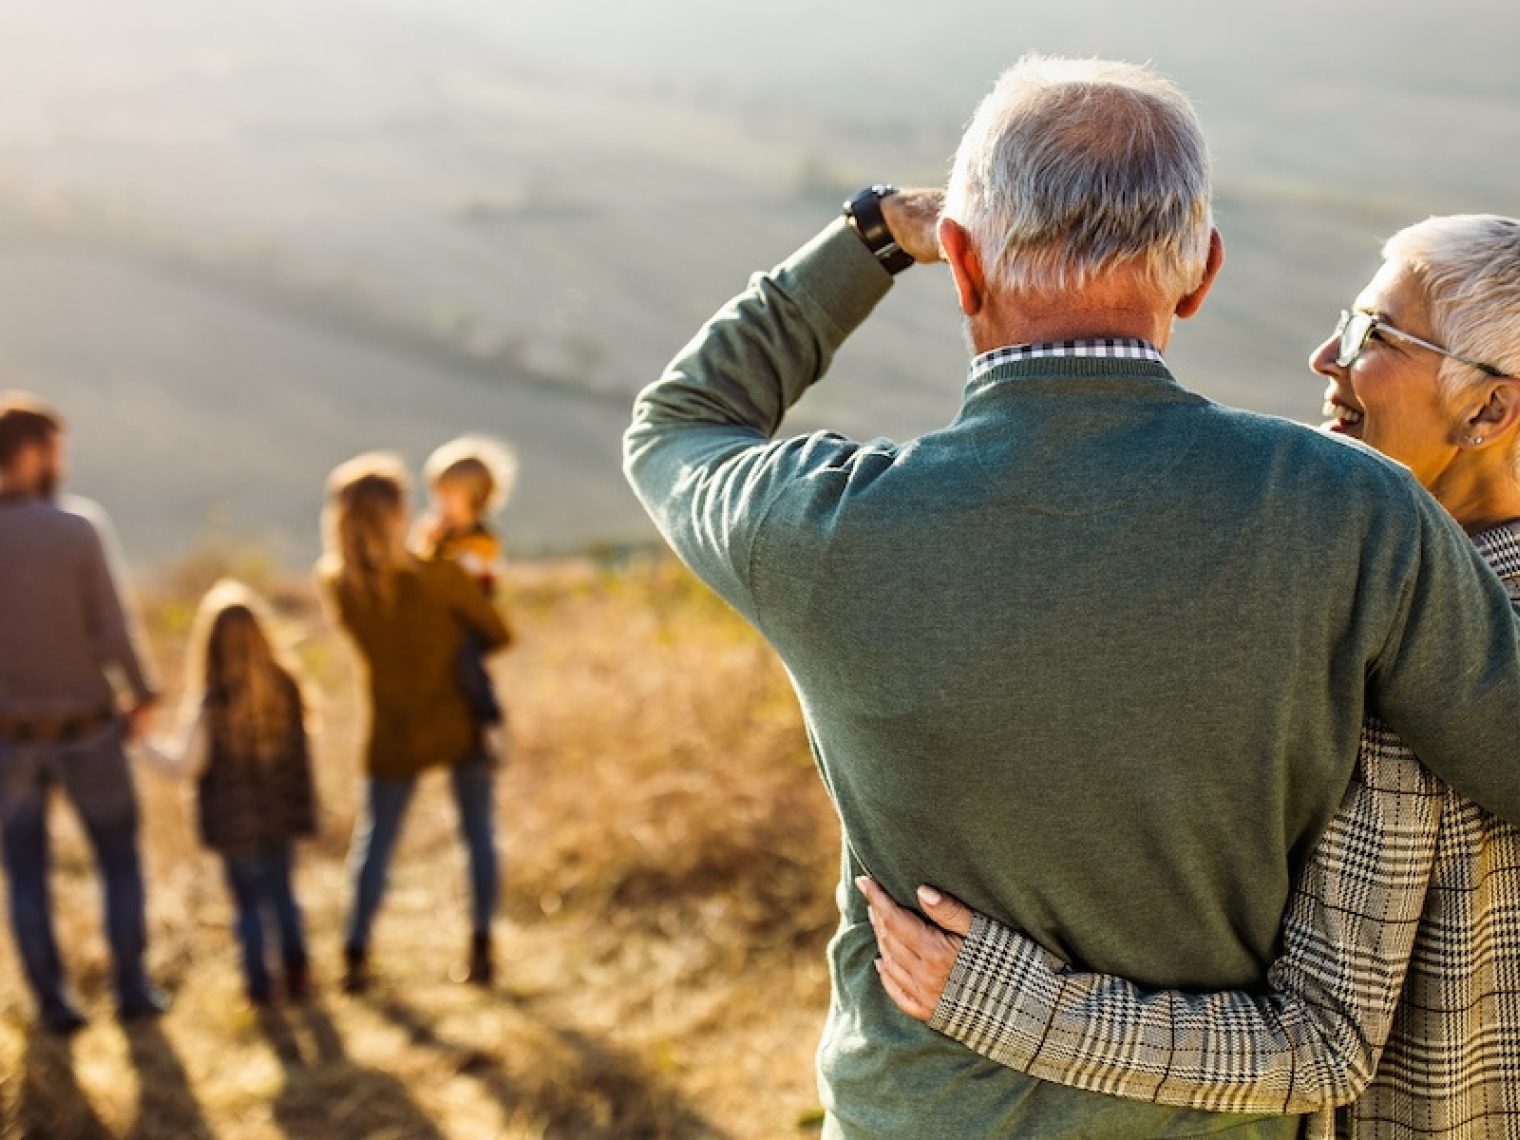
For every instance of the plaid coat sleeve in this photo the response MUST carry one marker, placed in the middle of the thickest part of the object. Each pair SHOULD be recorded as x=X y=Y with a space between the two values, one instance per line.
x=1308 y=1043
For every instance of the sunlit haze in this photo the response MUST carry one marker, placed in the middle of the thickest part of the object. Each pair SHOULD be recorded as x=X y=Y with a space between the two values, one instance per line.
x=242 y=241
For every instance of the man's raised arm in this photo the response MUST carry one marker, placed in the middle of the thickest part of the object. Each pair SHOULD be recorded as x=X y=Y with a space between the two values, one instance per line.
x=699 y=452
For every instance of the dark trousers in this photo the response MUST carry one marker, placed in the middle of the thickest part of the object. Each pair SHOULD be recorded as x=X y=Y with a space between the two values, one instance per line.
x=93 y=775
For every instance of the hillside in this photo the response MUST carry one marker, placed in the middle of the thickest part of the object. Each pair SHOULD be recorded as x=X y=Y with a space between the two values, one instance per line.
x=668 y=864
x=242 y=242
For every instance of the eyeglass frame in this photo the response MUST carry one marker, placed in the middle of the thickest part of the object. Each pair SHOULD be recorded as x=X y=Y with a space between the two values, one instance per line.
x=1377 y=324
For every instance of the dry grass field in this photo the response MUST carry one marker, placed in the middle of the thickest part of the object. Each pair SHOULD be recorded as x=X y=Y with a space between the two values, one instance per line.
x=669 y=857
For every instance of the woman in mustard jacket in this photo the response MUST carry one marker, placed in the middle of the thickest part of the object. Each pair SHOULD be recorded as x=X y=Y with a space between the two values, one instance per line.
x=408 y=619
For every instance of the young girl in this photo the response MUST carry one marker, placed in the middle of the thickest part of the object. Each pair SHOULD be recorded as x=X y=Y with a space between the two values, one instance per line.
x=245 y=742
x=469 y=479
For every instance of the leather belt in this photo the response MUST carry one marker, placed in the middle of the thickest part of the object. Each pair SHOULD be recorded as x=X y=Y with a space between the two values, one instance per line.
x=53 y=729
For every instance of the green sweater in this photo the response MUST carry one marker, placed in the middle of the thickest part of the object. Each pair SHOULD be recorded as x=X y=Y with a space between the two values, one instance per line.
x=1094 y=658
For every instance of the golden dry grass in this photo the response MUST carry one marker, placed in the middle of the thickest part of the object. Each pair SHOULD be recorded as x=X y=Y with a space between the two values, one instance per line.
x=669 y=858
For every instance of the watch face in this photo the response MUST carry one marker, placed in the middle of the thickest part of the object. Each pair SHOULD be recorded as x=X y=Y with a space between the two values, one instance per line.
x=864 y=210
x=868 y=196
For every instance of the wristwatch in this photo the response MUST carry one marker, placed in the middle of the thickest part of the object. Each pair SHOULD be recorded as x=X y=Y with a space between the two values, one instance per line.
x=864 y=209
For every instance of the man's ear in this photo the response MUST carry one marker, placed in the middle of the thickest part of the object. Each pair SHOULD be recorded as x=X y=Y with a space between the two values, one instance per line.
x=1191 y=303
x=1499 y=412
x=965 y=266
x=20 y=474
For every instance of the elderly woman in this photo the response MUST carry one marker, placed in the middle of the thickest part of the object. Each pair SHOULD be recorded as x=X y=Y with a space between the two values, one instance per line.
x=1401 y=946
x=408 y=620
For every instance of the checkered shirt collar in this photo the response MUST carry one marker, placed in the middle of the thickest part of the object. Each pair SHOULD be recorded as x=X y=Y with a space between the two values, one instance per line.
x=1500 y=548
x=1109 y=348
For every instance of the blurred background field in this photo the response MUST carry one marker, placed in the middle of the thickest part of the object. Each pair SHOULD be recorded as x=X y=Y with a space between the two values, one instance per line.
x=240 y=242
x=669 y=864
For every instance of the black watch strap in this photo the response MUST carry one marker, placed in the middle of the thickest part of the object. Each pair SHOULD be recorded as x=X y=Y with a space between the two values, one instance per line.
x=865 y=210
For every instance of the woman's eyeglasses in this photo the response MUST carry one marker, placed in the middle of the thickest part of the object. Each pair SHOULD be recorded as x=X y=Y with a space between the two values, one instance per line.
x=1356 y=329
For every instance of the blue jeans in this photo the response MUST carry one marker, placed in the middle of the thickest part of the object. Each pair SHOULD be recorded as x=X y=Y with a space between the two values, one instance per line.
x=259 y=881
x=94 y=776
x=385 y=805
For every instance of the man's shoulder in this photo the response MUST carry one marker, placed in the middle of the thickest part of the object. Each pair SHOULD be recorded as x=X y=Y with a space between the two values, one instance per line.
x=69 y=517
x=827 y=468
x=81 y=507
x=1310 y=452
x=87 y=517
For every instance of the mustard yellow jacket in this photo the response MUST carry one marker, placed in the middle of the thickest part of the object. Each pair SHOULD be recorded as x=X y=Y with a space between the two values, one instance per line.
x=409 y=645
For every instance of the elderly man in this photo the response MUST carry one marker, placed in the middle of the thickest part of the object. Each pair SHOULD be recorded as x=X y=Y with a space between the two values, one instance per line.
x=66 y=647
x=1095 y=657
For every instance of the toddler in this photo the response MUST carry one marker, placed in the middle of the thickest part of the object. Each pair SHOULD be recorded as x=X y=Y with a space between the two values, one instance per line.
x=469 y=480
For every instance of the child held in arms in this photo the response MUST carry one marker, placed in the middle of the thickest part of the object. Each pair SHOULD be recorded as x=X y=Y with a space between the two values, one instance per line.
x=469 y=480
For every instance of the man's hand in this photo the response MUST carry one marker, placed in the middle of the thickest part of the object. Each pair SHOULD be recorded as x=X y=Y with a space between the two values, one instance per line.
x=916 y=957
x=912 y=216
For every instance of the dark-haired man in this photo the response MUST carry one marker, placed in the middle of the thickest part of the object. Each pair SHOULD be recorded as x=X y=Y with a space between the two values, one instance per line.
x=70 y=661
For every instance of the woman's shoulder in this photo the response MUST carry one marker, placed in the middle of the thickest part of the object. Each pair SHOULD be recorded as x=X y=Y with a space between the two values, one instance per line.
x=332 y=582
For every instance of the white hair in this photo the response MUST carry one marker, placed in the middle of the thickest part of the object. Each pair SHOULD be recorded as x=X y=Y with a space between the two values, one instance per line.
x=1470 y=267
x=1070 y=169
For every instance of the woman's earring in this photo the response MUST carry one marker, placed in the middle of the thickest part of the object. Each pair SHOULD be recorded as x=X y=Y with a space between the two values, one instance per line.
x=1475 y=440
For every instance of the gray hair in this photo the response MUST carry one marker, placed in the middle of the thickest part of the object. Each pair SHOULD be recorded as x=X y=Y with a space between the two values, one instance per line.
x=1470 y=267
x=1072 y=168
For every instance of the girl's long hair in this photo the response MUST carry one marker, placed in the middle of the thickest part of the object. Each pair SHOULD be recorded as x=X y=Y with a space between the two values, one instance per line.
x=364 y=524
x=238 y=674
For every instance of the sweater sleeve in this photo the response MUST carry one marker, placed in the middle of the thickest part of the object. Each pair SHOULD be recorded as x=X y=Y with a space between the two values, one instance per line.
x=698 y=452
x=1308 y=1043
x=1448 y=678
x=474 y=608
x=115 y=629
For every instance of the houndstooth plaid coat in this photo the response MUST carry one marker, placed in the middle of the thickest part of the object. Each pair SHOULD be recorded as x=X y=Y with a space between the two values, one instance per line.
x=1399 y=978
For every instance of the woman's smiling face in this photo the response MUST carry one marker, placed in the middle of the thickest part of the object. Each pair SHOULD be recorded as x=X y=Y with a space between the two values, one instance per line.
x=1390 y=397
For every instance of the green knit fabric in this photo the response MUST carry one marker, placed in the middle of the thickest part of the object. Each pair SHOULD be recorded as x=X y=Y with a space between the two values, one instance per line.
x=1094 y=658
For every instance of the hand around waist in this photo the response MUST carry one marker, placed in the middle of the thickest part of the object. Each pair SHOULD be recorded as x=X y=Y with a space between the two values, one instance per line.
x=916 y=957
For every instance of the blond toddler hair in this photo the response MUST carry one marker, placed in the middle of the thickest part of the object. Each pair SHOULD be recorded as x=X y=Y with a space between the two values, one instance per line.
x=484 y=469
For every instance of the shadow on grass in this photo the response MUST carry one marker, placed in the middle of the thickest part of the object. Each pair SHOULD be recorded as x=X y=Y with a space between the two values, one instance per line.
x=326 y=1094
x=598 y=1095
x=166 y=1106
x=50 y=1104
